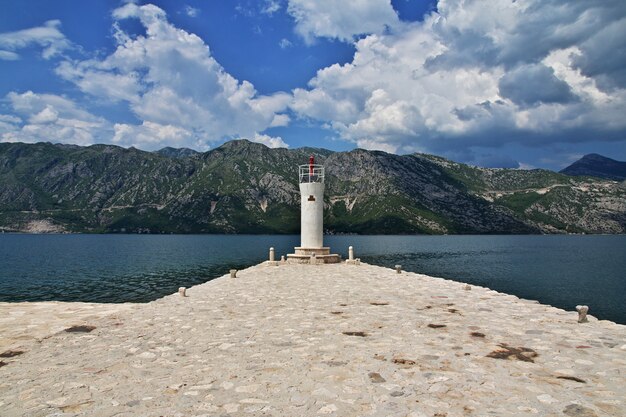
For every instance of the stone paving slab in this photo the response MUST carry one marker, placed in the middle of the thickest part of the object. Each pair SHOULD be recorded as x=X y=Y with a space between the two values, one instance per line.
x=25 y=323
x=320 y=340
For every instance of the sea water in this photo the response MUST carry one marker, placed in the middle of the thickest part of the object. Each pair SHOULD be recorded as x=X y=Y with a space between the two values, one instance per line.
x=562 y=271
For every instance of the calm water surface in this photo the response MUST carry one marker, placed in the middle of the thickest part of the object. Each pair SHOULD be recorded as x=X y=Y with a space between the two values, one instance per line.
x=559 y=270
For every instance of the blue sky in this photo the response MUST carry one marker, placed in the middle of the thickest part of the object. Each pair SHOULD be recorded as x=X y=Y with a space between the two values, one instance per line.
x=492 y=83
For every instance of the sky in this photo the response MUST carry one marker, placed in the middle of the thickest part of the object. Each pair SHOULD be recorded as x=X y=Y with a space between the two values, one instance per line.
x=494 y=83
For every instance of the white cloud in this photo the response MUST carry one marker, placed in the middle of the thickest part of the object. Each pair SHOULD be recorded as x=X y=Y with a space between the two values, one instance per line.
x=171 y=82
x=9 y=56
x=100 y=80
x=150 y=135
x=48 y=36
x=562 y=62
x=7 y=118
x=8 y=123
x=280 y=120
x=341 y=19
x=48 y=115
x=269 y=141
x=476 y=73
x=191 y=11
x=270 y=7
x=49 y=118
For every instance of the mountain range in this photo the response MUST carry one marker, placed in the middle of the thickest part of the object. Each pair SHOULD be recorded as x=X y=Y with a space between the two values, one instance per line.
x=246 y=187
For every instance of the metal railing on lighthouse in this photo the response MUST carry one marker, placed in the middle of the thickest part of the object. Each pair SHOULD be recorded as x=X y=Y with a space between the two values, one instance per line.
x=311 y=173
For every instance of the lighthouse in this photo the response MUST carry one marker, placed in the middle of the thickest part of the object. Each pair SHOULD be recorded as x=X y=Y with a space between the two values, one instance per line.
x=312 y=205
x=311 y=250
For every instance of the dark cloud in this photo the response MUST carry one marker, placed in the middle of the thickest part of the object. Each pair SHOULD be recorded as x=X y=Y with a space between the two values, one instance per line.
x=466 y=48
x=538 y=29
x=485 y=109
x=497 y=137
x=546 y=26
x=497 y=161
x=530 y=85
x=604 y=57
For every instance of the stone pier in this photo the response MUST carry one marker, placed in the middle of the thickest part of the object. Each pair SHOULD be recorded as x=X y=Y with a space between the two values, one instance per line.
x=347 y=340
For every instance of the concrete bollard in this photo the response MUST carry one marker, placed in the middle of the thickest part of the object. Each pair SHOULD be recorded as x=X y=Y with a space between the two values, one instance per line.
x=272 y=255
x=351 y=259
x=182 y=291
x=582 y=313
x=313 y=259
x=399 y=269
x=233 y=273
x=282 y=259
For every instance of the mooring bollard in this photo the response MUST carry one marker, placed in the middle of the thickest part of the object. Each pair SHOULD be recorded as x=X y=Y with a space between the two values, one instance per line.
x=182 y=291
x=313 y=259
x=582 y=313
x=233 y=273
x=282 y=259
x=272 y=255
x=399 y=269
x=351 y=259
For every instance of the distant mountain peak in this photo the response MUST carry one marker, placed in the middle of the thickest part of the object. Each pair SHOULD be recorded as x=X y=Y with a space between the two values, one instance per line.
x=595 y=165
x=241 y=143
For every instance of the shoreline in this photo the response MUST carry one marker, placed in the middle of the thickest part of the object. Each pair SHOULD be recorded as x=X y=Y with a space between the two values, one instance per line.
x=6 y=305
x=338 y=340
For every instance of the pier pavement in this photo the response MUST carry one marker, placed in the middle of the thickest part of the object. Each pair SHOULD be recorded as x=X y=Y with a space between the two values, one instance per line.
x=312 y=340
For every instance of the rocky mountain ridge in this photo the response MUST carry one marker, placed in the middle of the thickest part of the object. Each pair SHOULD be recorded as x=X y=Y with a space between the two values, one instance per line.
x=594 y=165
x=245 y=187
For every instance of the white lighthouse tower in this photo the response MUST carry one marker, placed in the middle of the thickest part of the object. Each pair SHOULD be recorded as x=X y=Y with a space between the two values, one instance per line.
x=311 y=249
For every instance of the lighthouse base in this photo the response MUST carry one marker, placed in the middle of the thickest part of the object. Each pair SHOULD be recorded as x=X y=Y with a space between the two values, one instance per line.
x=313 y=255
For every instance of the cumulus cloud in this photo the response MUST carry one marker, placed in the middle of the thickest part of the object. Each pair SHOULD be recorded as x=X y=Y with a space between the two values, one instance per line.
x=8 y=124
x=150 y=135
x=172 y=83
x=472 y=76
x=49 y=117
x=342 y=20
x=486 y=33
x=603 y=56
x=533 y=84
x=49 y=37
x=477 y=73
x=269 y=141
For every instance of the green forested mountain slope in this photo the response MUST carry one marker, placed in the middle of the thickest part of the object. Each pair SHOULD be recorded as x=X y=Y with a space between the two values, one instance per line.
x=245 y=187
